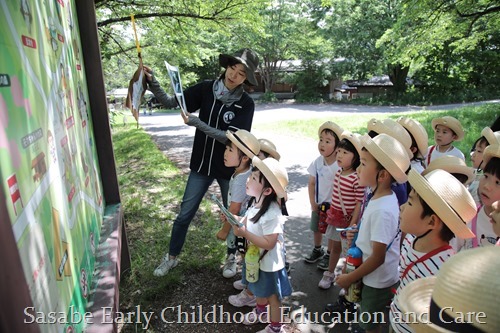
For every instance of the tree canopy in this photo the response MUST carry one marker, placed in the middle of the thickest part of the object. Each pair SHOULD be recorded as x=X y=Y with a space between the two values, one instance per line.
x=441 y=44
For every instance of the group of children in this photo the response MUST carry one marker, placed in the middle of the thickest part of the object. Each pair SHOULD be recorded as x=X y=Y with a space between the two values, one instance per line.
x=413 y=206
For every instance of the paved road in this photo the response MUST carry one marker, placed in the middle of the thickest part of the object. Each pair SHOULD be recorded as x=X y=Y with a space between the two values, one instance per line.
x=174 y=138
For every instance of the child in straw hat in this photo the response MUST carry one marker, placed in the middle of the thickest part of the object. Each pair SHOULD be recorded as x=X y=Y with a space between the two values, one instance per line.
x=438 y=208
x=489 y=192
x=398 y=132
x=240 y=148
x=447 y=130
x=263 y=227
x=419 y=141
x=320 y=186
x=453 y=165
x=347 y=196
x=383 y=160
x=462 y=297
x=488 y=137
x=268 y=149
x=245 y=297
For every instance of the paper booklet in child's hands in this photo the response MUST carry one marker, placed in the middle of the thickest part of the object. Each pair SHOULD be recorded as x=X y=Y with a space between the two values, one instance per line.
x=175 y=78
x=230 y=217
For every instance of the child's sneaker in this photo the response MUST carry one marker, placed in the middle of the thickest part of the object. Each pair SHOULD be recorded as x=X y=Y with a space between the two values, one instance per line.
x=229 y=269
x=315 y=255
x=268 y=329
x=324 y=262
x=166 y=265
x=238 y=285
x=253 y=318
x=242 y=299
x=327 y=280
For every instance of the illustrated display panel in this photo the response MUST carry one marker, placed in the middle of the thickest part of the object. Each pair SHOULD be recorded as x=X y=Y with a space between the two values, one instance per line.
x=49 y=170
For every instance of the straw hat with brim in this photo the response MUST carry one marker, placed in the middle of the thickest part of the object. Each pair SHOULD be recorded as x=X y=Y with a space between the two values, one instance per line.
x=246 y=57
x=352 y=138
x=491 y=151
x=390 y=153
x=418 y=132
x=274 y=172
x=451 y=123
x=448 y=198
x=451 y=164
x=245 y=141
x=490 y=136
x=332 y=127
x=269 y=148
x=392 y=128
x=467 y=283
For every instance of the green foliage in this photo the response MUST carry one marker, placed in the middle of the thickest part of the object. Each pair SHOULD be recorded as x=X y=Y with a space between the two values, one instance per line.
x=268 y=97
x=311 y=81
x=449 y=47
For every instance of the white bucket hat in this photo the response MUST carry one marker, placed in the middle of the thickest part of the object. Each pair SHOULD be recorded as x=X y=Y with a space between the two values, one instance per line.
x=269 y=148
x=392 y=128
x=451 y=123
x=467 y=283
x=245 y=141
x=418 y=132
x=448 y=198
x=390 y=153
x=274 y=172
x=451 y=164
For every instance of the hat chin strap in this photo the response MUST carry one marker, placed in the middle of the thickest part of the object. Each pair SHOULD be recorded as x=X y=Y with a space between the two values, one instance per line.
x=425 y=234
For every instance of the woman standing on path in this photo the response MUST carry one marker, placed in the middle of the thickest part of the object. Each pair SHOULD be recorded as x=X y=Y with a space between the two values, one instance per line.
x=223 y=105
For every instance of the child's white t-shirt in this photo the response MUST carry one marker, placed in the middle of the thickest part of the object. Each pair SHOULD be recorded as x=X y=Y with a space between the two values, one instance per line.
x=380 y=223
x=484 y=231
x=417 y=166
x=324 y=175
x=436 y=153
x=238 y=190
x=271 y=222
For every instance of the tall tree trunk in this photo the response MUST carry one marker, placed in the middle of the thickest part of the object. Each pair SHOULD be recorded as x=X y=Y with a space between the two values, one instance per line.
x=397 y=75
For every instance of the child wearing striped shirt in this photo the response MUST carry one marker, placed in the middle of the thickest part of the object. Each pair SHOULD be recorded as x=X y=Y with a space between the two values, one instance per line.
x=347 y=196
x=437 y=210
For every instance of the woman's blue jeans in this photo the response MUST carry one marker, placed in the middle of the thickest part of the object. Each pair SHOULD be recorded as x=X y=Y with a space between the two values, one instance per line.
x=196 y=187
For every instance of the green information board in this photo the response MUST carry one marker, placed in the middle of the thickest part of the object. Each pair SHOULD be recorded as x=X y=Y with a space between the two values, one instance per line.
x=49 y=168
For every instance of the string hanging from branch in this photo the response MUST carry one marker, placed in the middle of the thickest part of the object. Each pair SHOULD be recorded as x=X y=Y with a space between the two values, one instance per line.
x=138 y=85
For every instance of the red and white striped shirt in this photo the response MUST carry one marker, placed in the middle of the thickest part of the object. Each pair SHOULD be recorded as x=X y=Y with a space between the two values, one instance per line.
x=425 y=268
x=350 y=190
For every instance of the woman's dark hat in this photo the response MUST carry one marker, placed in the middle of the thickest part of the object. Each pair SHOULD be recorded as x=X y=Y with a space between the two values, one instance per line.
x=246 y=57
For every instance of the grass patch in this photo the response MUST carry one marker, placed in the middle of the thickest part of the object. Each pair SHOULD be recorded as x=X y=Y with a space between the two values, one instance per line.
x=151 y=189
x=473 y=119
